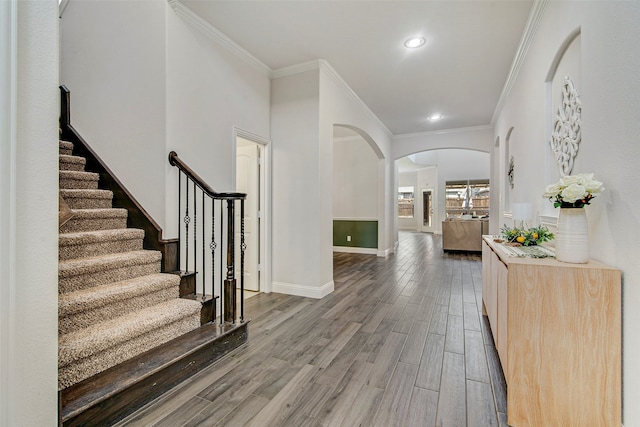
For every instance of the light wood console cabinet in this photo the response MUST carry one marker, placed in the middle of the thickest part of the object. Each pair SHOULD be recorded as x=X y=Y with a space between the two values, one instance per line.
x=557 y=329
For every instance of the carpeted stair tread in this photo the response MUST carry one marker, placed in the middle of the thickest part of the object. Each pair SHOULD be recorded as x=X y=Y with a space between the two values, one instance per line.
x=71 y=163
x=83 y=273
x=87 y=341
x=95 y=219
x=83 y=308
x=85 y=352
x=66 y=147
x=79 y=180
x=87 y=199
x=100 y=242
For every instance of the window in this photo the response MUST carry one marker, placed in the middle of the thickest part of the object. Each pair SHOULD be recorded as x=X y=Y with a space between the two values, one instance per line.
x=405 y=202
x=467 y=197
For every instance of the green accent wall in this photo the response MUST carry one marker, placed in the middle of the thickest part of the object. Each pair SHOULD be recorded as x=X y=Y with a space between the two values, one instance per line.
x=364 y=234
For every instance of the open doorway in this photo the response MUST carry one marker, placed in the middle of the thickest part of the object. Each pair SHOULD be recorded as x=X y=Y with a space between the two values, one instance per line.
x=427 y=211
x=250 y=179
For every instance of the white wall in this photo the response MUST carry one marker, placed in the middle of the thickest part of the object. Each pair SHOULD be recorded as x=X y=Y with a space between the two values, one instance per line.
x=355 y=179
x=297 y=200
x=209 y=91
x=28 y=220
x=161 y=85
x=113 y=61
x=610 y=94
x=306 y=102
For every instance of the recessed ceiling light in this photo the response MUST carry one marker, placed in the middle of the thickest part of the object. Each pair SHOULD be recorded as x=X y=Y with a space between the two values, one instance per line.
x=414 y=42
x=435 y=117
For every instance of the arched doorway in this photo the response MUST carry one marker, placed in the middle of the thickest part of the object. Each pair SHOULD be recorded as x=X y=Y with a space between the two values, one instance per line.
x=358 y=192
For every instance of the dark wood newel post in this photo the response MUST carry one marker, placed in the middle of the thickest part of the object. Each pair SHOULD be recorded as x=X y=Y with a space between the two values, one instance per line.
x=65 y=110
x=230 y=281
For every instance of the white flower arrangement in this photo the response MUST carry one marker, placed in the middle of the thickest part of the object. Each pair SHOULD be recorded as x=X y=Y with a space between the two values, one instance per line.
x=573 y=191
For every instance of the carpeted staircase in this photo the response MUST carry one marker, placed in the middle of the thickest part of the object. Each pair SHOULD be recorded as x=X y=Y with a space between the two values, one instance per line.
x=114 y=303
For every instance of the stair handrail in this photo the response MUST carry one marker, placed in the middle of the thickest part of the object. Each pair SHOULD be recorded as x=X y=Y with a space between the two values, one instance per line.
x=228 y=280
x=174 y=160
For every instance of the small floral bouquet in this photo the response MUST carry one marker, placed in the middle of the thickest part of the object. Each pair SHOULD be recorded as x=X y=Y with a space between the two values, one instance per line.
x=526 y=236
x=573 y=191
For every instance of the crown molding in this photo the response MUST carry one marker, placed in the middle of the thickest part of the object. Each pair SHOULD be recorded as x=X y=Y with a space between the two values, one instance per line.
x=535 y=16
x=444 y=131
x=216 y=35
x=296 y=69
x=213 y=33
x=322 y=64
x=62 y=5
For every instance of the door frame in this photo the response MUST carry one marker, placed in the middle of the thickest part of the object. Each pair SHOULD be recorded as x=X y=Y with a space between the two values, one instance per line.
x=433 y=209
x=265 y=259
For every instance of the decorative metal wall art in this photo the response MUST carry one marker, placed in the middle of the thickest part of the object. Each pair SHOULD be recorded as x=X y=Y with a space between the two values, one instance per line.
x=511 y=171
x=567 y=134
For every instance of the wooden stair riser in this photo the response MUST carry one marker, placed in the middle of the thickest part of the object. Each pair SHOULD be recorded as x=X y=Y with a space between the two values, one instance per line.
x=208 y=307
x=76 y=180
x=130 y=240
x=187 y=283
x=95 y=219
x=208 y=311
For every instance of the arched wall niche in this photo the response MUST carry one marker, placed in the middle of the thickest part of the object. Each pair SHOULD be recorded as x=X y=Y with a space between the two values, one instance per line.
x=509 y=168
x=496 y=198
x=565 y=69
x=553 y=68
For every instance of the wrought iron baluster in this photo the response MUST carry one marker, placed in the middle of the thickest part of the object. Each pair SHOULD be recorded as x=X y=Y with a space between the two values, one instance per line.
x=228 y=280
x=221 y=262
x=212 y=246
x=195 y=235
x=204 y=265
x=179 y=222
x=186 y=226
x=243 y=248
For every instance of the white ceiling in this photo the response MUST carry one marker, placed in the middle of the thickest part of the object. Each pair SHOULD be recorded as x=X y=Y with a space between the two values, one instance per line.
x=460 y=72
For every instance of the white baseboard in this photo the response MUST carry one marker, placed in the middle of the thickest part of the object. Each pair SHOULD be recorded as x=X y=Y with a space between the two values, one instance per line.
x=355 y=250
x=385 y=252
x=303 y=290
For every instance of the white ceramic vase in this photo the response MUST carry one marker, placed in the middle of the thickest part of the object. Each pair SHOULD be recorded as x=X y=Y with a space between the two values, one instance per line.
x=572 y=237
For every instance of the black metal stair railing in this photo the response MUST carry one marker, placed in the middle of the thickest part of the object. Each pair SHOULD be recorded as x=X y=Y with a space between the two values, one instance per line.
x=193 y=256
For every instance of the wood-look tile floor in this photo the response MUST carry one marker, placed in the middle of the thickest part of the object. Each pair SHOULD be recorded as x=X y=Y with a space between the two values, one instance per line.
x=400 y=342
